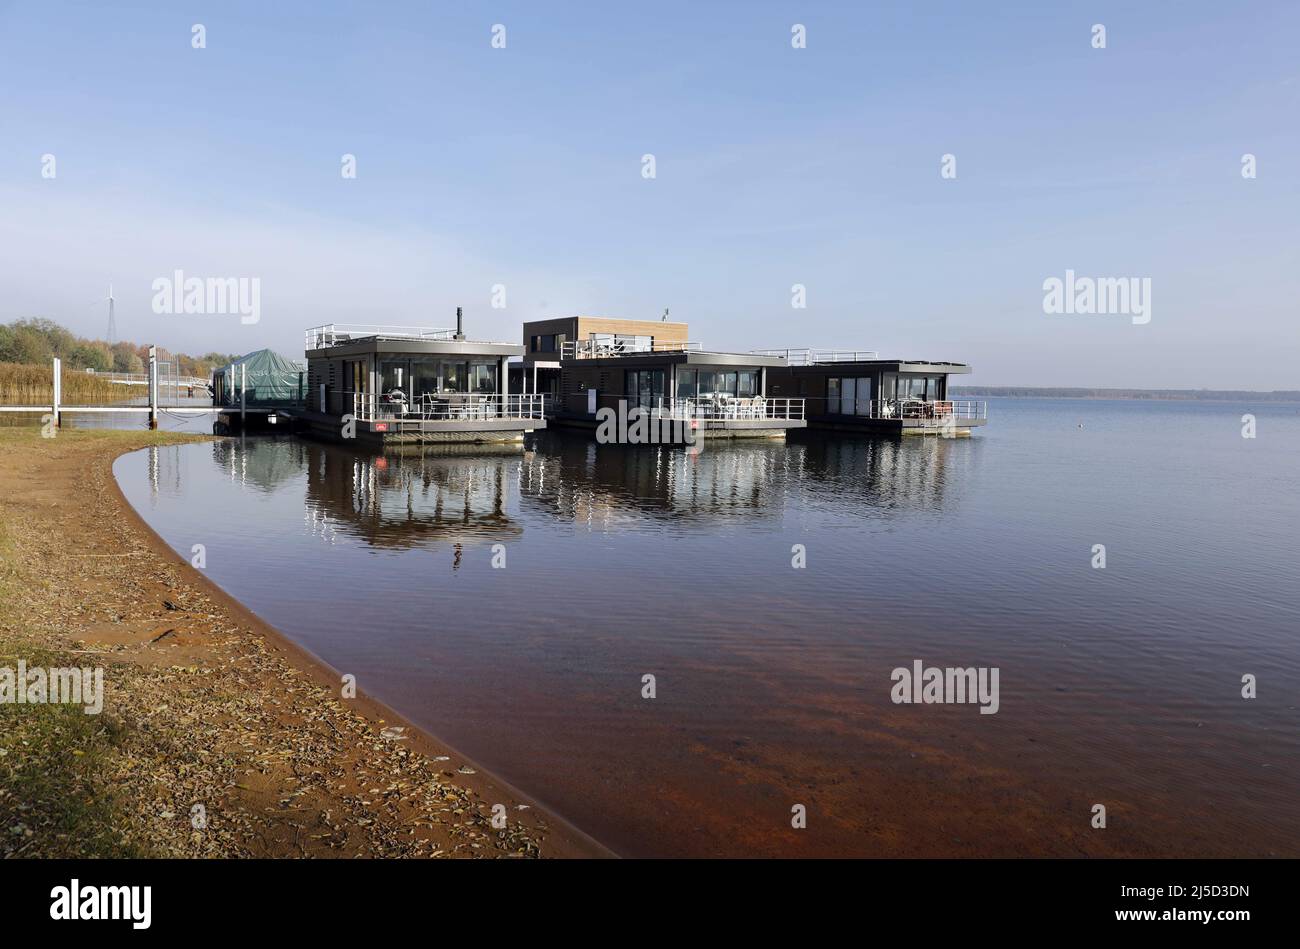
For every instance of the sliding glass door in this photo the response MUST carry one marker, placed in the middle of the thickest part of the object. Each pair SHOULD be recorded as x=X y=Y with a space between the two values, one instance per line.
x=644 y=387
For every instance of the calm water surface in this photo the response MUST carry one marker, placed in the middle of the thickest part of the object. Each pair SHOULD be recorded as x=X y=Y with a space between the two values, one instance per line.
x=1119 y=686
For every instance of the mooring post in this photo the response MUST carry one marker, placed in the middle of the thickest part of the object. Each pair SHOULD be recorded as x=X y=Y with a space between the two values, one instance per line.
x=243 y=388
x=505 y=386
x=58 y=389
x=153 y=387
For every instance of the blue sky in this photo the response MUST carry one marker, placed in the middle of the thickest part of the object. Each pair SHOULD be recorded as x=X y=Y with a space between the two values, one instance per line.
x=774 y=166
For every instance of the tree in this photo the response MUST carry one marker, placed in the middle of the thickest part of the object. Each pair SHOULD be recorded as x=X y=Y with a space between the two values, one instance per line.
x=126 y=359
x=36 y=341
x=22 y=343
x=91 y=355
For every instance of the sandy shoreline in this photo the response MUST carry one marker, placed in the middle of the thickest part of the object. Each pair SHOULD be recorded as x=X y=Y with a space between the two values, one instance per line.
x=208 y=705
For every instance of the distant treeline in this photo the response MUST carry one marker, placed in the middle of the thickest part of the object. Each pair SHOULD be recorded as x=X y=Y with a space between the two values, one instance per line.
x=1165 y=395
x=36 y=342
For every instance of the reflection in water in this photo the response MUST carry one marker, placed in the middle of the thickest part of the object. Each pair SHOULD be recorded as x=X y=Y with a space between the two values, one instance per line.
x=467 y=494
x=609 y=487
x=916 y=473
x=605 y=487
x=262 y=464
x=401 y=501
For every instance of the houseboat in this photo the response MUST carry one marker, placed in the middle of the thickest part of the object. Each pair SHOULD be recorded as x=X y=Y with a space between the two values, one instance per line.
x=860 y=392
x=588 y=364
x=403 y=385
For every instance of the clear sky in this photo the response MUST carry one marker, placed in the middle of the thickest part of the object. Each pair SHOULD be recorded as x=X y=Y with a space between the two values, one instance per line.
x=775 y=166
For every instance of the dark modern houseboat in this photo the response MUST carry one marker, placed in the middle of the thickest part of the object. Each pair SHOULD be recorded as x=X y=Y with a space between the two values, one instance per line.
x=599 y=363
x=859 y=392
x=404 y=385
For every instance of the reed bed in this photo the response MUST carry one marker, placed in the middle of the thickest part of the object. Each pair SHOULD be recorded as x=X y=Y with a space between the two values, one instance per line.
x=32 y=385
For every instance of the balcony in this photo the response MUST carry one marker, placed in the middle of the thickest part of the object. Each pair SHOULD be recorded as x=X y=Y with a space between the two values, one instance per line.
x=444 y=407
x=728 y=408
x=936 y=411
x=906 y=415
x=622 y=346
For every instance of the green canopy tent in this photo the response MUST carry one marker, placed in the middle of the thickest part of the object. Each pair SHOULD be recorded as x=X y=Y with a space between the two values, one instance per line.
x=271 y=380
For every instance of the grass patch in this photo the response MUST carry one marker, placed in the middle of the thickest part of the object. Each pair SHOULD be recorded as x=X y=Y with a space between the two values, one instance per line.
x=57 y=794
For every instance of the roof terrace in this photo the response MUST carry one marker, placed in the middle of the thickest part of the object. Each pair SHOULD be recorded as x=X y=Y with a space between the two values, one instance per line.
x=610 y=347
x=617 y=345
x=335 y=334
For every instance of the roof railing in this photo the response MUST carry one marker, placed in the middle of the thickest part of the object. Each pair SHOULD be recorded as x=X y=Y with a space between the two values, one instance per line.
x=334 y=334
x=622 y=346
x=812 y=357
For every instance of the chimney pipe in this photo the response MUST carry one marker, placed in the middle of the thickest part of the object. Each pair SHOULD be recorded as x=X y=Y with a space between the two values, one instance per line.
x=460 y=326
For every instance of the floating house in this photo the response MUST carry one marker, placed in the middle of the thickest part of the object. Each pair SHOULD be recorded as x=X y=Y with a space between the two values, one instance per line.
x=260 y=378
x=587 y=364
x=256 y=391
x=408 y=385
x=859 y=392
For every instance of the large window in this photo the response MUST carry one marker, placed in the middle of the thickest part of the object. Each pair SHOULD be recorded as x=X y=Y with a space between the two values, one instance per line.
x=424 y=376
x=483 y=377
x=394 y=374
x=712 y=383
x=453 y=376
x=358 y=376
x=913 y=386
x=420 y=375
x=848 y=396
x=717 y=382
x=644 y=387
x=686 y=383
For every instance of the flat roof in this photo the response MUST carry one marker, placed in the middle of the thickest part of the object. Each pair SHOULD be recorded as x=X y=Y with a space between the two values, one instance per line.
x=365 y=345
x=690 y=357
x=890 y=365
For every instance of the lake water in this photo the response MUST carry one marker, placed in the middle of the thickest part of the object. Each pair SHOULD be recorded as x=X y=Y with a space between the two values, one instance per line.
x=1120 y=686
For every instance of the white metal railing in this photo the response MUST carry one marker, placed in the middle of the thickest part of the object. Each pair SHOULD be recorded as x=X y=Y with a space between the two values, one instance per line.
x=446 y=407
x=601 y=348
x=935 y=412
x=142 y=379
x=331 y=334
x=812 y=357
x=725 y=408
